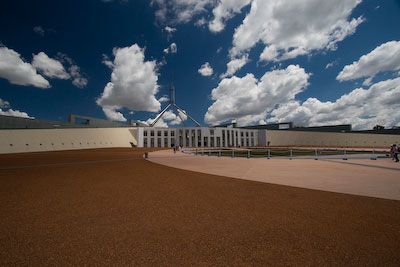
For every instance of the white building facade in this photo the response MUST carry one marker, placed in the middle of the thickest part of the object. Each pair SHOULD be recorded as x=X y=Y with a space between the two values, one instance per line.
x=197 y=137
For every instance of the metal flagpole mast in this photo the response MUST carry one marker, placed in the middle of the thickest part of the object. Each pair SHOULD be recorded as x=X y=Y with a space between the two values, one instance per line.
x=172 y=103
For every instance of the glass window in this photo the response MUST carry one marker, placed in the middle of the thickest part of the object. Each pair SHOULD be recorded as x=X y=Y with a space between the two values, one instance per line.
x=172 y=133
x=145 y=142
x=158 y=133
x=211 y=131
x=199 y=138
x=165 y=133
x=193 y=138
x=151 y=133
x=145 y=133
x=218 y=141
x=212 y=141
x=205 y=141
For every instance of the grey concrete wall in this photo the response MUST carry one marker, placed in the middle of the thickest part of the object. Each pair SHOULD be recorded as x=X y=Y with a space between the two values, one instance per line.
x=34 y=140
x=299 y=138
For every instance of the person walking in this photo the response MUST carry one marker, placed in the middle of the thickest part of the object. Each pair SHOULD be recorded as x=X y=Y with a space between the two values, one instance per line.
x=396 y=153
x=392 y=152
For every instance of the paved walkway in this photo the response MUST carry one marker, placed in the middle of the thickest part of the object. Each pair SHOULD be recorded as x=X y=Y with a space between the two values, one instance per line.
x=365 y=177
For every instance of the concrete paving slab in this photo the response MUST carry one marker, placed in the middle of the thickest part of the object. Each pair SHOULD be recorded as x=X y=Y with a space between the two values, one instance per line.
x=374 y=178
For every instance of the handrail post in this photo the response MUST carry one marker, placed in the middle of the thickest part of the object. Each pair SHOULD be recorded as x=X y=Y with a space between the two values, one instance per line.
x=219 y=153
x=344 y=155
x=316 y=154
x=291 y=154
x=233 y=153
x=374 y=157
x=269 y=154
x=248 y=154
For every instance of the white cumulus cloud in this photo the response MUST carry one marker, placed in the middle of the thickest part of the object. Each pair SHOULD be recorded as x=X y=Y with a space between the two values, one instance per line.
x=78 y=79
x=163 y=99
x=225 y=10
x=248 y=99
x=17 y=71
x=169 y=29
x=234 y=65
x=50 y=67
x=179 y=11
x=385 y=57
x=172 y=49
x=133 y=84
x=6 y=110
x=4 y=104
x=363 y=108
x=291 y=28
x=206 y=69
x=183 y=11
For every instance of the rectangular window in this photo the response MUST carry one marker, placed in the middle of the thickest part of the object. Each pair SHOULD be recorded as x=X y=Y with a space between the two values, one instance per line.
x=193 y=138
x=247 y=134
x=151 y=142
x=158 y=142
x=172 y=133
x=158 y=133
x=165 y=133
x=252 y=134
x=205 y=141
x=165 y=142
x=145 y=133
x=186 y=137
x=172 y=142
x=241 y=134
x=199 y=138
x=145 y=142
x=151 y=133
x=211 y=131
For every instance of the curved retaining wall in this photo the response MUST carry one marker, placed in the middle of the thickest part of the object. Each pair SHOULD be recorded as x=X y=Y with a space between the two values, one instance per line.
x=299 y=138
x=34 y=140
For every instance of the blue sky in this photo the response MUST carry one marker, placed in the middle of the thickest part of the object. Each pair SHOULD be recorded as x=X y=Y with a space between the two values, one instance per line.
x=57 y=58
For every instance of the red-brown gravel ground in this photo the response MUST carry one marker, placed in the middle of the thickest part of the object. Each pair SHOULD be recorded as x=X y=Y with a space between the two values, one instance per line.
x=112 y=207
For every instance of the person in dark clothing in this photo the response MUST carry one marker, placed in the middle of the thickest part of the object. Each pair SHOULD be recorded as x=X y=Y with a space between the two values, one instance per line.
x=392 y=152
x=396 y=153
